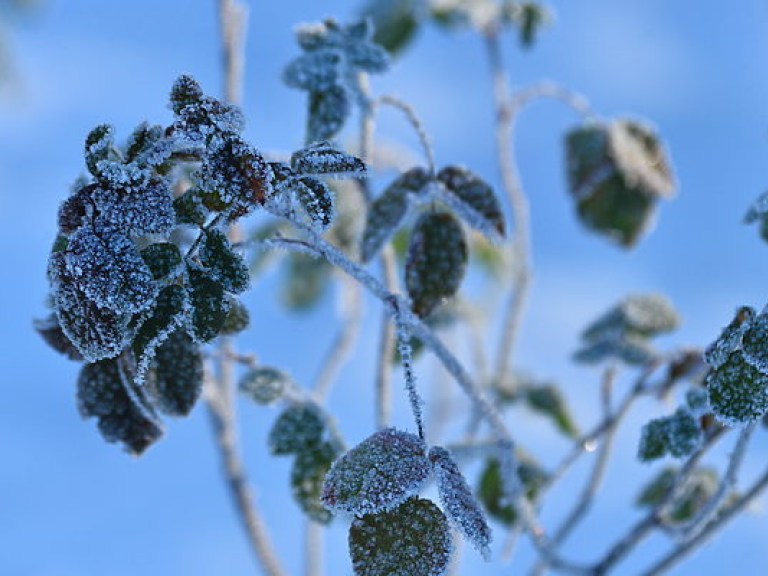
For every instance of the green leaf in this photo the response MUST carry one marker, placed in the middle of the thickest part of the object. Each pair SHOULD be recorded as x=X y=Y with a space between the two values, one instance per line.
x=299 y=428
x=412 y=539
x=657 y=489
x=265 y=384
x=328 y=111
x=166 y=315
x=549 y=401
x=101 y=394
x=738 y=392
x=632 y=350
x=189 y=208
x=224 y=265
x=99 y=147
x=178 y=374
x=238 y=317
x=209 y=306
x=388 y=210
x=436 y=261
x=377 y=474
x=491 y=489
x=679 y=435
x=754 y=344
x=395 y=22
x=306 y=279
x=694 y=494
x=482 y=208
x=307 y=475
x=532 y=17
x=654 y=440
x=161 y=258
x=644 y=315
x=730 y=338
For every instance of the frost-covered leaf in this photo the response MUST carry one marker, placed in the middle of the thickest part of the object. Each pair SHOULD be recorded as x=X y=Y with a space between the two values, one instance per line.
x=142 y=141
x=395 y=22
x=678 y=435
x=99 y=146
x=100 y=394
x=729 y=339
x=265 y=384
x=96 y=332
x=166 y=315
x=616 y=173
x=108 y=268
x=695 y=493
x=74 y=211
x=754 y=343
x=200 y=118
x=209 y=306
x=316 y=71
x=323 y=158
x=225 y=266
x=458 y=501
x=316 y=199
x=658 y=488
x=738 y=392
x=413 y=539
x=146 y=209
x=697 y=401
x=50 y=329
x=377 y=474
x=388 y=210
x=436 y=261
x=548 y=400
x=162 y=258
x=632 y=350
x=481 y=207
x=307 y=475
x=236 y=174
x=189 y=208
x=299 y=427
x=491 y=489
x=238 y=318
x=178 y=374
x=328 y=111
x=645 y=315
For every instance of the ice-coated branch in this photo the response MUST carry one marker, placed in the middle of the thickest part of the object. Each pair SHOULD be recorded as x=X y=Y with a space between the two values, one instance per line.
x=313 y=548
x=552 y=90
x=406 y=359
x=386 y=347
x=416 y=124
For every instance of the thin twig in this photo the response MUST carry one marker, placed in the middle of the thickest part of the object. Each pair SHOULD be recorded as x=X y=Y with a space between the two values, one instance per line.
x=233 y=19
x=416 y=124
x=313 y=548
x=386 y=345
x=342 y=346
x=719 y=522
x=549 y=89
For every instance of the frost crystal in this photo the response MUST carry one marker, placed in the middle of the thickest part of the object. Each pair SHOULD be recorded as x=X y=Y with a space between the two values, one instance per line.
x=738 y=392
x=316 y=71
x=139 y=210
x=201 y=117
x=50 y=329
x=679 y=435
x=476 y=200
x=300 y=427
x=754 y=344
x=436 y=261
x=729 y=340
x=316 y=200
x=178 y=374
x=163 y=259
x=100 y=394
x=165 y=316
x=209 y=306
x=377 y=474
x=458 y=501
x=414 y=539
x=265 y=384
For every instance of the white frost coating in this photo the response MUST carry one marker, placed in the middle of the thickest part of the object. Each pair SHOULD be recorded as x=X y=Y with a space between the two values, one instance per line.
x=406 y=359
x=323 y=158
x=316 y=71
x=378 y=474
x=468 y=214
x=458 y=501
x=738 y=392
x=136 y=210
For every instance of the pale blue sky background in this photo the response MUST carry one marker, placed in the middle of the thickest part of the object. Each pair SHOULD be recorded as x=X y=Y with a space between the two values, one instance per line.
x=71 y=505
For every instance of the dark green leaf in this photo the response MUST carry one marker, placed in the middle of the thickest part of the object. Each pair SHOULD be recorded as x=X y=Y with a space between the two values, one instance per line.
x=238 y=317
x=307 y=475
x=755 y=343
x=209 y=305
x=189 y=208
x=166 y=316
x=729 y=339
x=491 y=490
x=738 y=392
x=328 y=111
x=412 y=539
x=299 y=428
x=162 y=258
x=265 y=384
x=98 y=147
x=549 y=401
x=395 y=22
x=178 y=374
x=483 y=210
x=224 y=265
x=316 y=199
x=436 y=261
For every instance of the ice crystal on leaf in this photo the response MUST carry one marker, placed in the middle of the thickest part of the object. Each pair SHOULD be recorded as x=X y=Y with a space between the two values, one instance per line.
x=436 y=261
x=323 y=158
x=738 y=392
x=377 y=474
x=697 y=400
x=108 y=268
x=177 y=378
x=165 y=316
x=328 y=111
x=679 y=435
x=238 y=318
x=315 y=71
x=316 y=200
x=147 y=209
x=224 y=265
x=476 y=200
x=101 y=394
x=162 y=258
x=730 y=338
x=754 y=343
x=299 y=427
x=388 y=210
x=200 y=117
x=413 y=539
x=458 y=502
x=265 y=384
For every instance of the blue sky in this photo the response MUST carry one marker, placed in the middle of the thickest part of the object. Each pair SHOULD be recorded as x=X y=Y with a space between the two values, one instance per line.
x=72 y=505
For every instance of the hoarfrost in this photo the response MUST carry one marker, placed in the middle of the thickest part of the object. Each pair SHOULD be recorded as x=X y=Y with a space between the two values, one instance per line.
x=738 y=392
x=178 y=374
x=300 y=427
